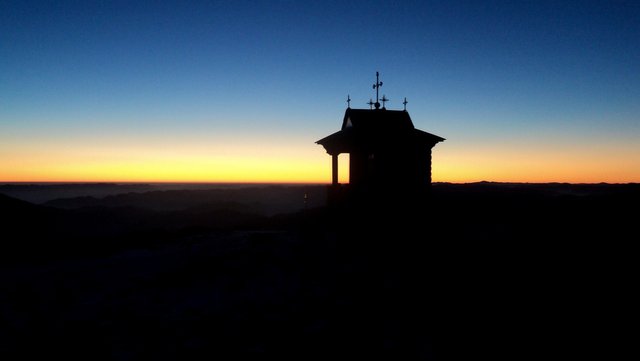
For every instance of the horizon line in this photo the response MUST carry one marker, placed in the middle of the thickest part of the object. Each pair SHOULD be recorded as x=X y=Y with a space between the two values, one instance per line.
x=288 y=183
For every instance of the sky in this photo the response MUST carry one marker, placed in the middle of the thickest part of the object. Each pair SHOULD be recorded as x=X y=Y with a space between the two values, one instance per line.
x=239 y=91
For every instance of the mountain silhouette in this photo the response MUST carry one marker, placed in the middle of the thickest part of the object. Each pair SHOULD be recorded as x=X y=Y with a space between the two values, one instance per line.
x=480 y=269
x=268 y=200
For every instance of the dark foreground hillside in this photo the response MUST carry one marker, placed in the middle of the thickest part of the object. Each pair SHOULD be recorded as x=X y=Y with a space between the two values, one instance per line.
x=483 y=270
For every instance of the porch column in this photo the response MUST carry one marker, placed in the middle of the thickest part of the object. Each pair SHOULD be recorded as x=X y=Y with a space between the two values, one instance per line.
x=334 y=169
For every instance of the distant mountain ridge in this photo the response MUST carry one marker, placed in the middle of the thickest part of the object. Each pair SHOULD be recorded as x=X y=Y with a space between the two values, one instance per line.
x=34 y=233
x=40 y=193
x=268 y=200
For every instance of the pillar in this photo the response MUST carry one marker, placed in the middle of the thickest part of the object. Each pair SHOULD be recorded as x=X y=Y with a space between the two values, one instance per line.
x=334 y=169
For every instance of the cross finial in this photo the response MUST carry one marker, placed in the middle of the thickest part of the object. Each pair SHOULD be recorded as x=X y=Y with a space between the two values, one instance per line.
x=348 y=101
x=377 y=86
x=405 y=103
x=384 y=100
x=370 y=103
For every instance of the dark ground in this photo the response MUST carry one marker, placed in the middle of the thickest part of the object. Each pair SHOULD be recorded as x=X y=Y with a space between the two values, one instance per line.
x=484 y=270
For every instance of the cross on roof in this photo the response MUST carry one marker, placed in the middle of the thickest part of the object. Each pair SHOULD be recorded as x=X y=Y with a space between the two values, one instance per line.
x=370 y=103
x=348 y=101
x=405 y=103
x=377 y=86
x=384 y=100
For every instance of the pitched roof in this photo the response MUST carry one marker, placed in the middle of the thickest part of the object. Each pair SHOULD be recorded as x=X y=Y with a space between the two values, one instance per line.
x=376 y=126
x=377 y=119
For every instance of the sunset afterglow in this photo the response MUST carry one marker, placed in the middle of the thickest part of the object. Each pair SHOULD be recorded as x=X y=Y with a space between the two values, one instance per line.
x=240 y=92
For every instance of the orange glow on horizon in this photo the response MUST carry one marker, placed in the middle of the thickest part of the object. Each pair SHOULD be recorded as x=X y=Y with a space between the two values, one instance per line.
x=246 y=162
x=266 y=165
x=531 y=165
x=293 y=170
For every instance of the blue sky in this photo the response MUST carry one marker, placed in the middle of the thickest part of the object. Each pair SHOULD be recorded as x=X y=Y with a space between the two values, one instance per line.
x=498 y=79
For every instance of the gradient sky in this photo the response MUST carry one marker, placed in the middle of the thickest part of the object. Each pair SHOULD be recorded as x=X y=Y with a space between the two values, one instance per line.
x=235 y=91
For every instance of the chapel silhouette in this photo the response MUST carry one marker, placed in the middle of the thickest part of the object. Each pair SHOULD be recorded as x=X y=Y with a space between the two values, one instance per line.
x=387 y=154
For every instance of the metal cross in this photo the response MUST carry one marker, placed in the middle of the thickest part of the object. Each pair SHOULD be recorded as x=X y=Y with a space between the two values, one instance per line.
x=370 y=103
x=405 y=103
x=384 y=99
x=377 y=86
x=348 y=101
